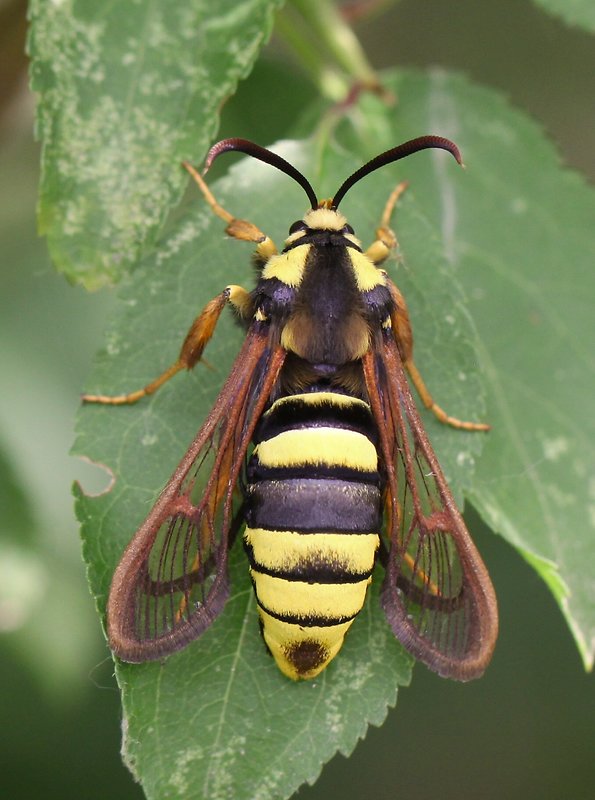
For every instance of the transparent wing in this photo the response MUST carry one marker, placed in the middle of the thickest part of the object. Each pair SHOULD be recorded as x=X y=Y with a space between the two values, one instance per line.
x=437 y=595
x=172 y=580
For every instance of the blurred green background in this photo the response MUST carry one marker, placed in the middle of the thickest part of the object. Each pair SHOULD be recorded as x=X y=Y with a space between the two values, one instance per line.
x=524 y=731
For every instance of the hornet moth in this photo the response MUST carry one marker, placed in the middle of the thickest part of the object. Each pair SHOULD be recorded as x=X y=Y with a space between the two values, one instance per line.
x=317 y=426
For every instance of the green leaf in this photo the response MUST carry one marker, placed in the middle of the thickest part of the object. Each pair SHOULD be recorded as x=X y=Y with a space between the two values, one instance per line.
x=127 y=91
x=518 y=227
x=574 y=12
x=218 y=720
x=224 y=690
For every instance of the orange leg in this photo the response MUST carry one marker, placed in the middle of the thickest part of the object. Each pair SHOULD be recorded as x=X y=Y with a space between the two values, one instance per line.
x=203 y=326
x=191 y=352
x=238 y=228
x=400 y=322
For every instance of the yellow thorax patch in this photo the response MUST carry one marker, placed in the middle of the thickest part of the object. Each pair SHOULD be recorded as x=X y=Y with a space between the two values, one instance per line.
x=287 y=267
x=367 y=276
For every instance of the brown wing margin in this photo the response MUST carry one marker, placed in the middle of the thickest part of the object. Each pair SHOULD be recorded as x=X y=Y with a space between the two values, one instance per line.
x=172 y=580
x=437 y=594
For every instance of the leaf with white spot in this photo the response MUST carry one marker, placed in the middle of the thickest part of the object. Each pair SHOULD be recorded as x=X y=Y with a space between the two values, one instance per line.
x=127 y=91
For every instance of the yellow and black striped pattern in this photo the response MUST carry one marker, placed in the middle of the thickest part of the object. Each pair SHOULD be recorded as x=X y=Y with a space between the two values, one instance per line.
x=313 y=509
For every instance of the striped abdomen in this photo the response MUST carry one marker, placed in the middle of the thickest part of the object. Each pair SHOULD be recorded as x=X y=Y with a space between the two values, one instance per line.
x=313 y=513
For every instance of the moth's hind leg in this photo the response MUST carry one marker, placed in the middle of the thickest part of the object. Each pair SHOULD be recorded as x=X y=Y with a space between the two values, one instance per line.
x=378 y=252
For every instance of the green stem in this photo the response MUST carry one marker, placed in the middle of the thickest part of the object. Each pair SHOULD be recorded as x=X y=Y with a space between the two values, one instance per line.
x=326 y=47
x=292 y=29
x=324 y=19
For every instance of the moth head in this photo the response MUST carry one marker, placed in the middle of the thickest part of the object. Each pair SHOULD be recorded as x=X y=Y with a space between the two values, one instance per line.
x=322 y=218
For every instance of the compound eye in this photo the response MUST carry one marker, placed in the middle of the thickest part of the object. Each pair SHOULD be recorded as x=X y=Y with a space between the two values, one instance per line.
x=347 y=229
x=300 y=225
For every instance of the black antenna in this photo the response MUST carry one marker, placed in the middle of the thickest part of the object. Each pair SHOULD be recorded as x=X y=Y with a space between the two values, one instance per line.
x=403 y=150
x=262 y=154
